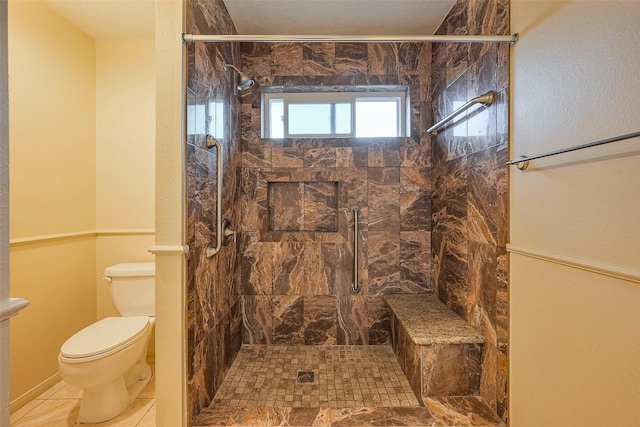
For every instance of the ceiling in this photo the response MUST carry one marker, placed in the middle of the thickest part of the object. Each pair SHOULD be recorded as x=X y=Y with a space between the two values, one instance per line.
x=338 y=17
x=110 y=19
x=122 y=19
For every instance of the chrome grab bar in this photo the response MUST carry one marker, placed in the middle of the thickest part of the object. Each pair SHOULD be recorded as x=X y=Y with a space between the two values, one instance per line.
x=522 y=162
x=485 y=99
x=211 y=251
x=355 y=286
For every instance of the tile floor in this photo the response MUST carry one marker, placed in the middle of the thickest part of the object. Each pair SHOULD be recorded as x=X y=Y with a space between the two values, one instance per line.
x=352 y=386
x=59 y=406
x=315 y=376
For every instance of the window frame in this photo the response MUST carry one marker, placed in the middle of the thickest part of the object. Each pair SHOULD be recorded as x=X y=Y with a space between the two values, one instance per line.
x=334 y=95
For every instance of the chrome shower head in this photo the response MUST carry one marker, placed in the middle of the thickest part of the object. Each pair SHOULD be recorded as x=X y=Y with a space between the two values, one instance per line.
x=244 y=81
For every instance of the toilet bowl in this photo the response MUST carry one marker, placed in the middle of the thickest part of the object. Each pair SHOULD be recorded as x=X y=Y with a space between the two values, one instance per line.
x=108 y=359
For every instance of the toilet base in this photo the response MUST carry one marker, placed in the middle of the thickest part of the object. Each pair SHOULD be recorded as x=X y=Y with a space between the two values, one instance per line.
x=104 y=403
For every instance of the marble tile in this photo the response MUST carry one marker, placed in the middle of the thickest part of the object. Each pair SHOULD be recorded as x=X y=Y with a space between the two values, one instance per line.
x=320 y=320
x=214 y=417
x=286 y=416
x=502 y=193
x=287 y=59
x=383 y=263
x=416 y=417
x=445 y=370
x=257 y=323
x=502 y=300
x=415 y=261
x=298 y=269
x=318 y=59
x=288 y=319
x=287 y=157
x=383 y=59
x=350 y=312
x=502 y=387
x=351 y=58
x=256 y=265
x=461 y=411
x=320 y=157
x=481 y=299
x=413 y=364
x=488 y=381
x=363 y=320
x=470 y=217
x=415 y=198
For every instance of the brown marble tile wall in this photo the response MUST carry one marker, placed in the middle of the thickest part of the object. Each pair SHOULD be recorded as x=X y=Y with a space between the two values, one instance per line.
x=296 y=274
x=470 y=185
x=213 y=308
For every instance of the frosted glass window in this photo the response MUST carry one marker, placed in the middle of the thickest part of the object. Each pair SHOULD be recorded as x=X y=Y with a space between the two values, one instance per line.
x=319 y=119
x=276 y=118
x=377 y=117
x=323 y=114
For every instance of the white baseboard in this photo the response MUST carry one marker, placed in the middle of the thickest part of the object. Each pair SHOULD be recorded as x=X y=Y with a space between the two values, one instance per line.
x=36 y=391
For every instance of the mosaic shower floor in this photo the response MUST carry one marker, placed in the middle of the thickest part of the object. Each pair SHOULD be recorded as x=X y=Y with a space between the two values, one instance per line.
x=330 y=386
x=315 y=376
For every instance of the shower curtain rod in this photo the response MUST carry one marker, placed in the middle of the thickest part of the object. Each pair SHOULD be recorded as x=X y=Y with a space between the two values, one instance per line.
x=513 y=39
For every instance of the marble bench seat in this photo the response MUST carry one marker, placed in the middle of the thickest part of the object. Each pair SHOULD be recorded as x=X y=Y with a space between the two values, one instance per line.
x=438 y=351
x=428 y=321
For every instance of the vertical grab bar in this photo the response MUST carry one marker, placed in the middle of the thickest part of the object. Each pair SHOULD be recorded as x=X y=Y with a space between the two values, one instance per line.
x=211 y=251
x=355 y=286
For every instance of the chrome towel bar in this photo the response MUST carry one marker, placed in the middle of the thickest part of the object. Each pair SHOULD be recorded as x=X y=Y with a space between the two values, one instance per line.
x=485 y=99
x=522 y=162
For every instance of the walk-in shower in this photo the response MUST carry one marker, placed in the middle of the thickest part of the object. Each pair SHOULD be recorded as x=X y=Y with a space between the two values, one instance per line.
x=292 y=321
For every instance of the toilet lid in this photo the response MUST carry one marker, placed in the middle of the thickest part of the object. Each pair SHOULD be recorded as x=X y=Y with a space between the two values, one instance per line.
x=104 y=336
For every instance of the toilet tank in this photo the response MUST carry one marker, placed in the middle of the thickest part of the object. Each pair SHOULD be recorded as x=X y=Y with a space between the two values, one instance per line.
x=133 y=288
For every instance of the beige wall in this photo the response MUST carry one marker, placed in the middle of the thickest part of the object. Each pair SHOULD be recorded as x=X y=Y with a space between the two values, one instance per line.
x=52 y=178
x=79 y=107
x=125 y=134
x=575 y=232
x=125 y=157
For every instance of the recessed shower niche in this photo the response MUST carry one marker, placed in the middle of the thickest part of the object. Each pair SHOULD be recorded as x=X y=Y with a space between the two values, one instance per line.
x=311 y=206
x=303 y=206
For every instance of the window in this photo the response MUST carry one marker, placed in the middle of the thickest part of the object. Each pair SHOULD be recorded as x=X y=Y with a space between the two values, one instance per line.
x=346 y=114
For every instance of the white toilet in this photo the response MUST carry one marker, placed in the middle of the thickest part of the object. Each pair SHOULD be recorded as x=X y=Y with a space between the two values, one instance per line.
x=108 y=359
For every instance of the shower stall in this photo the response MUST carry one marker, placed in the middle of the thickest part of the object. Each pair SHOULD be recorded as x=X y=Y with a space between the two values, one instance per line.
x=283 y=272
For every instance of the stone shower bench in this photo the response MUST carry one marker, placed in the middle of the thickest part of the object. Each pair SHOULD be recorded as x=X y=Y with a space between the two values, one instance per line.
x=438 y=351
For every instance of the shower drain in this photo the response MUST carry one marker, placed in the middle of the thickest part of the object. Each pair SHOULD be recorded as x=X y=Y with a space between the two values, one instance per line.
x=306 y=376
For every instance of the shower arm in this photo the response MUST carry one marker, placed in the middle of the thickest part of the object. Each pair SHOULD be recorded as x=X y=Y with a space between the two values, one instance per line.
x=224 y=233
